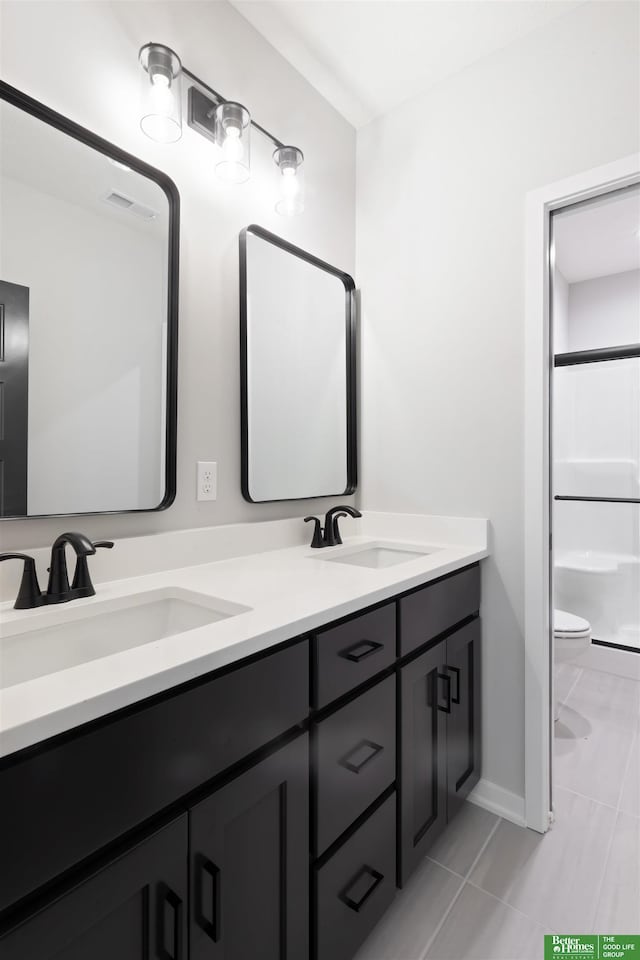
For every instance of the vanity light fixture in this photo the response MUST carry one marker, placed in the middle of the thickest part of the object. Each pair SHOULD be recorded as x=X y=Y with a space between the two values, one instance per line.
x=161 y=117
x=224 y=122
x=233 y=127
x=290 y=176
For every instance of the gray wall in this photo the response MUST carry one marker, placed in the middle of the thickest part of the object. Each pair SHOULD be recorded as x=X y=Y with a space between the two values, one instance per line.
x=440 y=254
x=81 y=59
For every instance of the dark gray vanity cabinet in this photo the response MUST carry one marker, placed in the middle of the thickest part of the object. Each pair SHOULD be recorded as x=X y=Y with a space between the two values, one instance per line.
x=422 y=757
x=463 y=722
x=353 y=774
x=355 y=760
x=347 y=655
x=356 y=885
x=110 y=777
x=249 y=863
x=439 y=739
x=268 y=810
x=131 y=908
x=430 y=611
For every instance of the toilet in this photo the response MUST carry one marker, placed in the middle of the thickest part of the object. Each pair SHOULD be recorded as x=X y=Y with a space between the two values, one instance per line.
x=571 y=638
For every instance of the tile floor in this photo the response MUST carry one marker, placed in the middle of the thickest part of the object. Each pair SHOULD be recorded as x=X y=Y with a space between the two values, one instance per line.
x=490 y=890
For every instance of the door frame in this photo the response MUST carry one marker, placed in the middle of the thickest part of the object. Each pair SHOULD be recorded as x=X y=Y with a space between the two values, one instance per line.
x=537 y=520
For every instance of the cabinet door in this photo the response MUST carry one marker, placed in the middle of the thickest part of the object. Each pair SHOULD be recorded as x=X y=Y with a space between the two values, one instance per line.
x=463 y=722
x=250 y=863
x=422 y=751
x=132 y=909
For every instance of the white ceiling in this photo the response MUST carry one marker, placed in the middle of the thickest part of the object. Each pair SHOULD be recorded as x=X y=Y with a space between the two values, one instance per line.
x=47 y=160
x=367 y=56
x=599 y=238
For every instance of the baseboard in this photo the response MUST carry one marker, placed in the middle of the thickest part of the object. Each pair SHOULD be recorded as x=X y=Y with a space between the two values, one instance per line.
x=497 y=800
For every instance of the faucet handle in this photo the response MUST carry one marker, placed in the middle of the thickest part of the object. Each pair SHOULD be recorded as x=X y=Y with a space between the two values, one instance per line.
x=82 y=584
x=317 y=540
x=29 y=594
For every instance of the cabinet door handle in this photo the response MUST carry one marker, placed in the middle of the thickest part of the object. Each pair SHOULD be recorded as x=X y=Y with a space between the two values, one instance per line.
x=360 y=650
x=455 y=670
x=169 y=925
x=446 y=679
x=361 y=887
x=208 y=908
x=360 y=755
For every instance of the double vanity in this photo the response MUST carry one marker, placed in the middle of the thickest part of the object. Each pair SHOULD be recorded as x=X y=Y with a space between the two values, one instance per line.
x=186 y=776
x=243 y=744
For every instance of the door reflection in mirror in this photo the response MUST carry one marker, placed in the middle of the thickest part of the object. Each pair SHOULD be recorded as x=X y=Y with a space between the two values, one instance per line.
x=87 y=239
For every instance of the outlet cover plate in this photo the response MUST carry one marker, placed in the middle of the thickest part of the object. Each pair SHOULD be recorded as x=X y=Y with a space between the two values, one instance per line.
x=207 y=480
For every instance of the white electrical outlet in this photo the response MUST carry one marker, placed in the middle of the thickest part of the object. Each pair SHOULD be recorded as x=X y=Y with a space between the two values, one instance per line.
x=207 y=487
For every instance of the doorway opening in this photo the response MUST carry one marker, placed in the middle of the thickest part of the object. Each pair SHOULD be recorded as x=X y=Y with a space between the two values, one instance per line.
x=545 y=207
x=594 y=294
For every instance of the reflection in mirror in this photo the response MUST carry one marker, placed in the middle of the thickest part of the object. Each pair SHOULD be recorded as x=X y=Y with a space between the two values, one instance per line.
x=87 y=312
x=298 y=372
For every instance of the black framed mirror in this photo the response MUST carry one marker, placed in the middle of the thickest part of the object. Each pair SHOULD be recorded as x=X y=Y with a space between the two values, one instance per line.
x=298 y=372
x=89 y=247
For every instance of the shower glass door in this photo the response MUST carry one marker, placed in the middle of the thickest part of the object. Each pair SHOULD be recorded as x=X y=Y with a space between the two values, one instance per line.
x=596 y=414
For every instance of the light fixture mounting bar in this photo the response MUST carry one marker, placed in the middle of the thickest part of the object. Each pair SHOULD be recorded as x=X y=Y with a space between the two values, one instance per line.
x=201 y=109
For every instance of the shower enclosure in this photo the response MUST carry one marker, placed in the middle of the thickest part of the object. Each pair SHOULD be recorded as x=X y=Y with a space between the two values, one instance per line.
x=596 y=414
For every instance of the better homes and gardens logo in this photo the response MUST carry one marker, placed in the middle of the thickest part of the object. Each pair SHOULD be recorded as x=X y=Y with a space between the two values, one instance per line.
x=592 y=948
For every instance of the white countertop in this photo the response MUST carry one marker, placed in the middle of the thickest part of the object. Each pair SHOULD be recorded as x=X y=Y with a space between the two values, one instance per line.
x=288 y=592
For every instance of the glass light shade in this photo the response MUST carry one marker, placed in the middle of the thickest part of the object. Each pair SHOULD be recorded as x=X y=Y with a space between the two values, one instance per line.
x=233 y=128
x=161 y=95
x=290 y=182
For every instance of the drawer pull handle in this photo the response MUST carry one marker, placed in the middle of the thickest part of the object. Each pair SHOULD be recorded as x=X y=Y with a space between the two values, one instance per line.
x=208 y=919
x=446 y=679
x=361 y=886
x=360 y=755
x=169 y=926
x=360 y=650
x=455 y=670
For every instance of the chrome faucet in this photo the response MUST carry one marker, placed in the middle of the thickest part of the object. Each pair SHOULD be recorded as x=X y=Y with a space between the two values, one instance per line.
x=58 y=589
x=329 y=535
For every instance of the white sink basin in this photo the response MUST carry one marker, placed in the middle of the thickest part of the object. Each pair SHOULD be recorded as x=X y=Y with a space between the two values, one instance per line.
x=102 y=629
x=381 y=555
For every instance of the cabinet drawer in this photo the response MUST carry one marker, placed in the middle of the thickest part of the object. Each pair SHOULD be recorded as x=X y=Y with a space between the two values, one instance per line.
x=355 y=759
x=437 y=607
x=347 y=655
x=109 y=778
x=355 y=887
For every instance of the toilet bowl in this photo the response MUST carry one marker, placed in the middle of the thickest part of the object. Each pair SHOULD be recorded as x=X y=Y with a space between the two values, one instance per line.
x=571 y=638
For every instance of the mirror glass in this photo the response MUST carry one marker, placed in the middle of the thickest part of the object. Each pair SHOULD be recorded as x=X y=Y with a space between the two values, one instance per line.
x=298 y=372
x=88 y=323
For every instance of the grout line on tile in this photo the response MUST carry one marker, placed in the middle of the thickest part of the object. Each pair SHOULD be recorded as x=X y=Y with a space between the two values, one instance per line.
x=615 y=808
x=584 y=796
x=483 y=847
x=443 y=919
x=627 y=768
x=443 y=867
x=604 y=870
x=505 y=904
x=572 y=687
